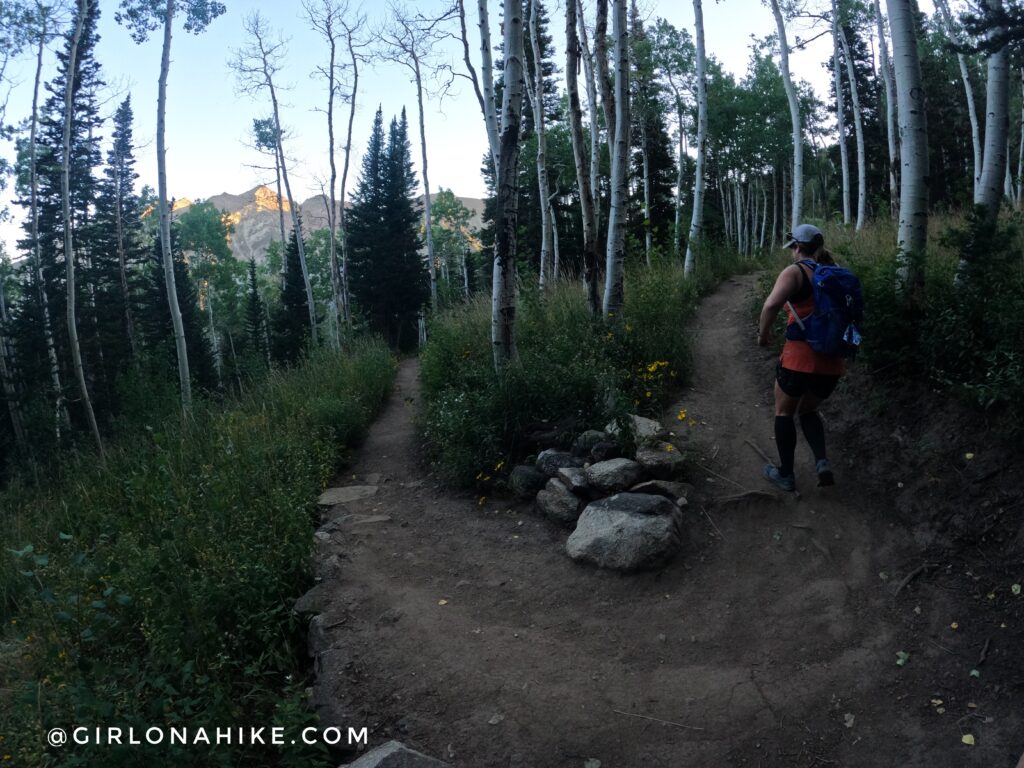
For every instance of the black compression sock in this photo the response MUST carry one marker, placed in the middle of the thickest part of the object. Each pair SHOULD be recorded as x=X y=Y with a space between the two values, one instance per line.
x=814 y=431
x=785 y=439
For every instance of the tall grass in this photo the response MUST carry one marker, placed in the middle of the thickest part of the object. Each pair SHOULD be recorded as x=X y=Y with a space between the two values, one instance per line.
x=572 y=372
x=156 y=588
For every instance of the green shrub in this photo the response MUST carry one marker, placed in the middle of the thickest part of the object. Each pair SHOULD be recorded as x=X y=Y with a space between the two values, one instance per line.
x=156 y=588
x=572 y=372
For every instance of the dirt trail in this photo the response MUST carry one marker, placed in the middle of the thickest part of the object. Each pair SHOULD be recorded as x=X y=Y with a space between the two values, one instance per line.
x=770 y=640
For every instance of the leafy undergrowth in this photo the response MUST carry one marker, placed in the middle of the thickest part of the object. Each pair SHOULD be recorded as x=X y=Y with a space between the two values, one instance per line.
x=155 y=589
x=573 y=373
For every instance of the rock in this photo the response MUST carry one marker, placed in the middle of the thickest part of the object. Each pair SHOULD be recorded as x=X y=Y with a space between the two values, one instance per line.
x=677 y=492
x=394 y=754
x=643 y=428
x=346 y=494
x=559 y=503
x=614 y=474
x=551 y=460
x=575 y=479
x=583 y=444
x=662 y=461
x=525 y=481
x=626 y=532
x=313 y=601
x=605 y=450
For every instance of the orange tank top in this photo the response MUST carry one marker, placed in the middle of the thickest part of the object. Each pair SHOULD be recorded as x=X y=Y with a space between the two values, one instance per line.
x=798 y=355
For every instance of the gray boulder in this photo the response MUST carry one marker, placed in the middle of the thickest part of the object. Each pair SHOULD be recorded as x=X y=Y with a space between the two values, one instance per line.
x=626 y=532
x=394 y=754
x=662 y=461
x=583 y=444
x=614 y=474
x=575 y=479
x=559 y=503
x=643 y=428
x=525 y=481
x=552 y=460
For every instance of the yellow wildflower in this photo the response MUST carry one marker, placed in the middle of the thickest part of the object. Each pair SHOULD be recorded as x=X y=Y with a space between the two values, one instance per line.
x=681 y=416
x=499 y=465
x=647 y=393
x=481 y=500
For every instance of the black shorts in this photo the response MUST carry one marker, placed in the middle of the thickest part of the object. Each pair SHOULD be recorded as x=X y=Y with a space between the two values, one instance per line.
x=798 y=383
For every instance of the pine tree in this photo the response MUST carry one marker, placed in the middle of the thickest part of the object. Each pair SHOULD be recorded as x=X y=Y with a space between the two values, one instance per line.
x=27 y=321
x=291 y=331
x=256 y=331
x=118 y=247
x=154 y=320
x=388 y=276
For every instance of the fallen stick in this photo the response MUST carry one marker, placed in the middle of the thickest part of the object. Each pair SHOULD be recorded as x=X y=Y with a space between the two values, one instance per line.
x=712 y=522
x=748 y=496
x=913 y=575
x=760 y=453
x=657 y=720
x=721 y=477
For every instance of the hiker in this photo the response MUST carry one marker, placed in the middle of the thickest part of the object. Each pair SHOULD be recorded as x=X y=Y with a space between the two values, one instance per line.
x=803 y=378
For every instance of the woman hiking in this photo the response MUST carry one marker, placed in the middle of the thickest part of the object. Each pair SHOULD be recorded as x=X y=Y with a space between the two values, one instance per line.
x=803 y=377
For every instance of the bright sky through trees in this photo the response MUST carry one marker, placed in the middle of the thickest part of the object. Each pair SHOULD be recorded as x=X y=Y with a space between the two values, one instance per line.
x=209 y=125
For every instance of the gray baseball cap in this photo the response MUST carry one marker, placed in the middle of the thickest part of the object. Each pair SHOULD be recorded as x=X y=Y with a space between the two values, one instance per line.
x=803 y=233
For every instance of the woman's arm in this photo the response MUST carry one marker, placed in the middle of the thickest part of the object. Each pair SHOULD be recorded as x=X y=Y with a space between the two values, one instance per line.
x=785 y=286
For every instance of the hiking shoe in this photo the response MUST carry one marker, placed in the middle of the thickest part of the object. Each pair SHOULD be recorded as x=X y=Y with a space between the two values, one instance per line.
x=771 y=474
x=824 y=470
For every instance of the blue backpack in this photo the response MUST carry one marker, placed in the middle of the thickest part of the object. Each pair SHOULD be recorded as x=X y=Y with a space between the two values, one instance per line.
x=832 y=328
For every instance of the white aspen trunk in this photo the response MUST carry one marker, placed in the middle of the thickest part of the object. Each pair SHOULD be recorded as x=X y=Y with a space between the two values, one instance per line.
x=583 y=173
x=465 y=272
x=63 y=418
x=890 y=109
x=794 y=114
x=604 y=80
x=280 y=206
x=535 y=88
x=332 y=209
x=775 y=209
x=677 y=232
x=1008 y=178
x=69 y=250
x=426 y=184
x=997 y=114
x=503 y=289
x=697 y=217
x=837 y=82
x=738 y=199
x=726 y=209
x=291 y=204
x=648 y=234
x=972 y=110
x=595 y=129
x=218 y=361
x=556 y=265
x=764 y=216
x=783 y=198
x=346 y=306
x=912 y=237
x=487 y=72
x=615 y=262
x=1020 y=148
x=858 y=130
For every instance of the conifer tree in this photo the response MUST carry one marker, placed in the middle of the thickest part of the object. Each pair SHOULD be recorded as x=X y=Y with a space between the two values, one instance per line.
x=389 y=279
x=156 y=328
x=256 y=330
x=291 y=332
x=119 y=248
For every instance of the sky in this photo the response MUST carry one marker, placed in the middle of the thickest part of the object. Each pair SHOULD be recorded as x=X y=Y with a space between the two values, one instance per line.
x=209 y=121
